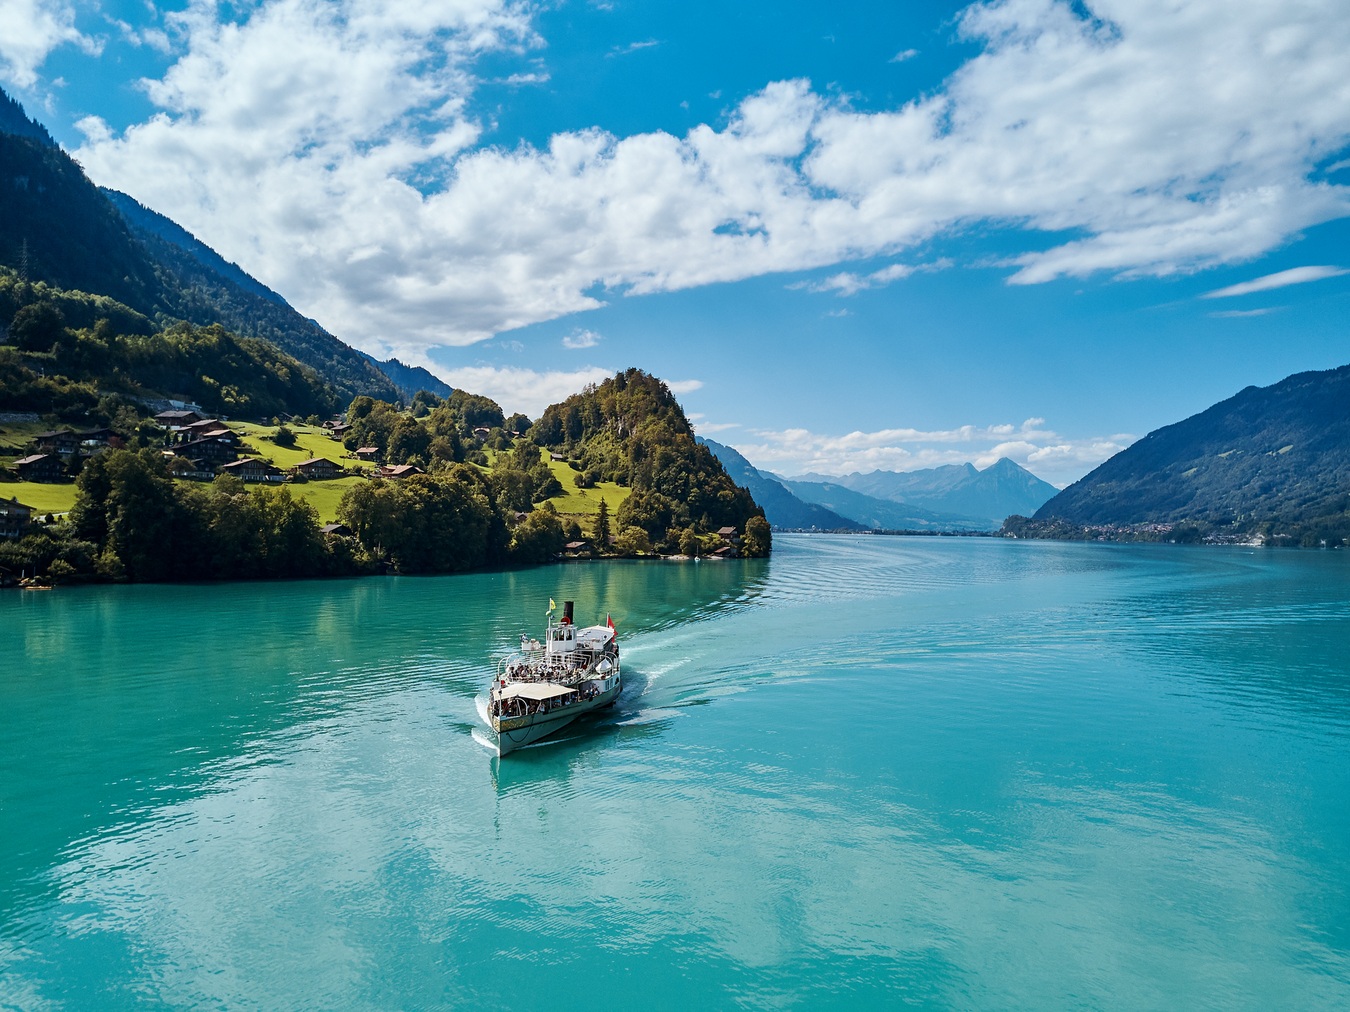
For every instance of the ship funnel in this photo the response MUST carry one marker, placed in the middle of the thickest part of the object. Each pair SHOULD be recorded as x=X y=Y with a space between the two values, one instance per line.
x=567 y=612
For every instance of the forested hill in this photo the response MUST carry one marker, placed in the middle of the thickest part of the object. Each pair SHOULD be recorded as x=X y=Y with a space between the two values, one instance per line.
x=631 y=430
x=1277 y=453
x=58 y=227
x=13 y=120
x=82 y=356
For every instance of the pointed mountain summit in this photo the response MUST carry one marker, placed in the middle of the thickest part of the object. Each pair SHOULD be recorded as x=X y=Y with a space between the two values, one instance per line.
x=1002 y=489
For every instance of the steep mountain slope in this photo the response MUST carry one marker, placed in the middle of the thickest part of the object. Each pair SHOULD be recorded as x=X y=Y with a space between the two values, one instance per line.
x=1280 y=452
x=203 y=287
x=411 y=378
x=13 y=120
x=781 y=508
x=1000 y=490
x=58 y=227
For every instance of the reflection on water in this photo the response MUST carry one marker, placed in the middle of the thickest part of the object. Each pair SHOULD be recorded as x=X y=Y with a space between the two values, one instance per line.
x=867 y=771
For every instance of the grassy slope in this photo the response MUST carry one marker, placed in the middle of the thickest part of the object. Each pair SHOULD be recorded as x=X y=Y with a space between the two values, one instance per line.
x=311 y=441
x=42 y=496
x=584 y=502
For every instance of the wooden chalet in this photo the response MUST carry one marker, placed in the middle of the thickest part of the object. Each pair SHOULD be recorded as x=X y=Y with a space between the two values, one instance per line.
x=204 y=427
x=40 y=467
x=336 y=531
x=367 y=453
x=62 y=441
x=93 y=439
x=576 y=547
x=336 y=430
x=212 y=449
x=252 y=469
x=175 y=419
x=398 y=471
x=317 y=469
x=14 y=518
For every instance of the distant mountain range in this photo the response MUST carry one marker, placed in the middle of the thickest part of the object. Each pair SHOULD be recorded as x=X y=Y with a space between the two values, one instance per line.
x=1002 y=489
x=61 y=228
x=949 y=498
x=1277 y=453
x=782 y=509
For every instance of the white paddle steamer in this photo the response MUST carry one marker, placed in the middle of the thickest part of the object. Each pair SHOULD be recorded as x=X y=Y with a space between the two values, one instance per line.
x=545 y=686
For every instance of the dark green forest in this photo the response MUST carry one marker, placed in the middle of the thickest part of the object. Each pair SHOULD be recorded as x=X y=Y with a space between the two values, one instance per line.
x=132 y=521
x=69 y=351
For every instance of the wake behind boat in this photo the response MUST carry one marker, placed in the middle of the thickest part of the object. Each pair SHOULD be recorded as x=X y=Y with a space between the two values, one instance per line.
x=545 y=686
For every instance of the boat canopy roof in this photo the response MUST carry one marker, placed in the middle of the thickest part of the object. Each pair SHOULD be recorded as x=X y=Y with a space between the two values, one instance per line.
x=535 y=690
x=594 y=636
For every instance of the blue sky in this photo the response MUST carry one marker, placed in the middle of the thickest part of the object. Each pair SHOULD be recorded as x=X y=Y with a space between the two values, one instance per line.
x=894 y=236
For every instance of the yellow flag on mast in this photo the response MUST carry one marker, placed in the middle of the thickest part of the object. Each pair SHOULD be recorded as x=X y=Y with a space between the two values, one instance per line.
x=551 y=606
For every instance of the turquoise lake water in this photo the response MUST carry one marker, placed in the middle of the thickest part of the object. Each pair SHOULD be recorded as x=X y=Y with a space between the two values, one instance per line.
x=868 y=772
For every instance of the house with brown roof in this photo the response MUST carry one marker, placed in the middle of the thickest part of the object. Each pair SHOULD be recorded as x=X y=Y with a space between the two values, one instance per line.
x=14 y=518
x=252 y=469
x=62 y=441
x=172 y=419
x=398 y=471
x=317 y=469
x=40 y=467
x=213 y=449
x=367 y=453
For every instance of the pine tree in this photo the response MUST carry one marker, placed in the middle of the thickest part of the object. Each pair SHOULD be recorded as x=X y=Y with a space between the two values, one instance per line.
x=601 y=533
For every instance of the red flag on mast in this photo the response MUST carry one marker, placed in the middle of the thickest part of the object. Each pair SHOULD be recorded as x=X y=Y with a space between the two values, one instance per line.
x=609 y=621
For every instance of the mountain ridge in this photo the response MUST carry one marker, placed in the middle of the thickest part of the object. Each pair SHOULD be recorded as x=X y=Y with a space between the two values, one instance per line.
x=60 y=228
x=1002 y=489
x=1279 y=453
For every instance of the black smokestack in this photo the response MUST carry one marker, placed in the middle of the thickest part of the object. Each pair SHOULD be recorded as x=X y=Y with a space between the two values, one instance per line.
x=567 y=612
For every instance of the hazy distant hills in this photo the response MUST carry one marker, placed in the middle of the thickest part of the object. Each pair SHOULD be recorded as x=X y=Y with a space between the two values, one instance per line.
x=1280 y=452
x=959 y=491
x=881 y=514
x=1000 y=490
x=781 y=508
x=64 y=230
x=825 y=502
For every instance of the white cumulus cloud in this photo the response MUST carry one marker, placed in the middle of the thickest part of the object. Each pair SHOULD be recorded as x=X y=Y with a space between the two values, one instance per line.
x=325 y=147
x=31 y=29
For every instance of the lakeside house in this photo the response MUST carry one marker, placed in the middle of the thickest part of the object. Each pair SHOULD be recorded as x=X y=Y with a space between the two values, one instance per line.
x=253 y=470
x=317 y=469
x=40 y=467
x=14 y=518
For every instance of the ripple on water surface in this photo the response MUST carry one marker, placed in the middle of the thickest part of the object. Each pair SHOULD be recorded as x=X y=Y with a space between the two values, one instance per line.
x=869 y=771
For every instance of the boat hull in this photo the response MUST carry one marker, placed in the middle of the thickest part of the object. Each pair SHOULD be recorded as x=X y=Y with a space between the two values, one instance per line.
x=515 y=732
